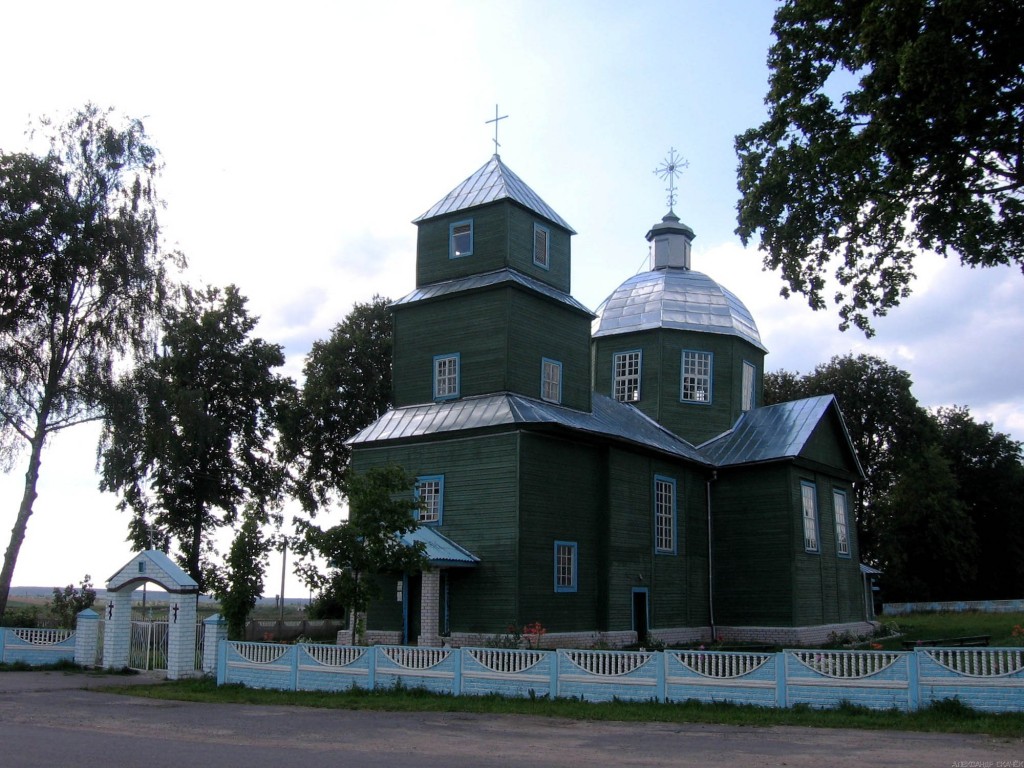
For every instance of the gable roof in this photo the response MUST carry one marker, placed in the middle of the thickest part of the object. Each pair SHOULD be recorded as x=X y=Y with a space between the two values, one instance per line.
x=152 y=565
x=439 y=549
x=609 y=418
x=491 y=183
x=774 y=432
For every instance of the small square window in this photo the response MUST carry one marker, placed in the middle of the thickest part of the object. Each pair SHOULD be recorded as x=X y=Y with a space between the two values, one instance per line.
x=446 y=377
x=565 y=566
x=430 y=494
x=460 y=239
x=551 y=381
x=540 y=246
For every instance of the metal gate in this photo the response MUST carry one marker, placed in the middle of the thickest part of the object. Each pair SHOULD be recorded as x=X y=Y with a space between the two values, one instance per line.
x=148 y=646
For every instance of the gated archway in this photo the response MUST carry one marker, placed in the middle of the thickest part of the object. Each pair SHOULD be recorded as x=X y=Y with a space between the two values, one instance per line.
x=183 y=594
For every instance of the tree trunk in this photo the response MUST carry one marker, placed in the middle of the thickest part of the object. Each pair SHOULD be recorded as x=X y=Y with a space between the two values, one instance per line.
x=24 y=513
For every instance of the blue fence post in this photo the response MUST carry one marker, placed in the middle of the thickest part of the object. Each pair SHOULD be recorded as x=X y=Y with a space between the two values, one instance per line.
x=457 y=682
x=662 y=665
x=296 y=650
x=555 y=657
x=371 y=675
x=914 y=682
x=222 y=661
x=781 y=696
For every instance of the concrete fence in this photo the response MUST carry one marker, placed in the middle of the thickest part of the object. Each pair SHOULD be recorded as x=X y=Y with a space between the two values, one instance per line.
x=988 y=679
x=36 y=647
x=955 y=606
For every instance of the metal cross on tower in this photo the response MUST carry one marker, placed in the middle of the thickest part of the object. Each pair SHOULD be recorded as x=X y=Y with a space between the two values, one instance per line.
x=671 y=167
x=495 y=121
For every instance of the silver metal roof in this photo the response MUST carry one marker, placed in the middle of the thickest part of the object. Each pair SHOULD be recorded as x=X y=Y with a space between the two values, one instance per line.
x=773 y=432
x=486 y=280
x=492 y=182
x=440 y=550
x=609 y=418
x=679 y=298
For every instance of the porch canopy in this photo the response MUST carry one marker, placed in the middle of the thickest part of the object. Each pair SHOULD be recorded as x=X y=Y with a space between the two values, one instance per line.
x=441 y=551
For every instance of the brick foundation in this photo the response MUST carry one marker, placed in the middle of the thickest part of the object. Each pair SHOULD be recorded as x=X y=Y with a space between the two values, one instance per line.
x=672 y=636
x=792 y=636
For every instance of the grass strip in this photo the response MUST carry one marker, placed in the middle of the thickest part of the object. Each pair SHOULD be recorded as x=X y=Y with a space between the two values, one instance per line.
x=950 y=716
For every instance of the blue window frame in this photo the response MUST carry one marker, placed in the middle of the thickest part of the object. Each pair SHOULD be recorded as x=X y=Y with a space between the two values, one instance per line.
x=809 y=503
x=664 y=515
x=541 y=246
x=460 y=239
x=566 y=566
x=446 y=376
x=626 y=376
x=550 y=380
x=430 y=494
x=696 y=377
x=842 y=523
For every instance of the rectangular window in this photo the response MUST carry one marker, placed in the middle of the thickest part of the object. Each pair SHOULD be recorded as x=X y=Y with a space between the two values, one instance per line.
x=540 y=246
x=626 y=376
x=565 y=566
x=664 y=515
x=809 y=497
x=551 y=380
x=696 y=377
x=460 y=239
x=446 y=377
x=748 y=386
x=842 y=527
x=430 y=493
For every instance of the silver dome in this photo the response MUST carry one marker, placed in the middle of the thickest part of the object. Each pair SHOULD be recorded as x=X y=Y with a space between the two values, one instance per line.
x=675 y=298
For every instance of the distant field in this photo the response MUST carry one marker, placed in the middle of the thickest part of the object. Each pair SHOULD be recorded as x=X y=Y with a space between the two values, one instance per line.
x=33 y=596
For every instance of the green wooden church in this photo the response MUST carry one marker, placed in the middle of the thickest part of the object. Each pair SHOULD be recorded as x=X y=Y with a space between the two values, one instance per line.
x=610 y=475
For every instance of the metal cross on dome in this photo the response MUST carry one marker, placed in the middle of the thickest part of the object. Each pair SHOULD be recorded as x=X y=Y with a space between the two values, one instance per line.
x=671 y=167
x=495 y=121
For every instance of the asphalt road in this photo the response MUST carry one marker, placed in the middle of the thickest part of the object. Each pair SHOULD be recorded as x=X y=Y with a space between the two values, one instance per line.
x=55 y=719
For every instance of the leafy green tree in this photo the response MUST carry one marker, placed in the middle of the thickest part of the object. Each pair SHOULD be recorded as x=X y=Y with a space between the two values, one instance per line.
x=240 y=585
x=189 y=440
x=367 y=545
x=885 y=421
x=67 y=603
x=82 y=279
x=923 y=152
x=782 y=386
x=927 y=542
x=989 y=469
x=328 y=603
x=347 y=386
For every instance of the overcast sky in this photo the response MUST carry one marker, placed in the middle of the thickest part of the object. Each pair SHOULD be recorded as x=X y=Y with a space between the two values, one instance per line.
x=301 y=139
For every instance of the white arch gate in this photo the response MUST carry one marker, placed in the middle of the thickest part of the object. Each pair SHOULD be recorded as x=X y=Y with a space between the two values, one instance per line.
x=183 y=595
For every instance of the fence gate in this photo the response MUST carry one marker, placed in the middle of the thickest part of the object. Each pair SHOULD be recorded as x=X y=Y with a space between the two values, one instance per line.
x=147 y=649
